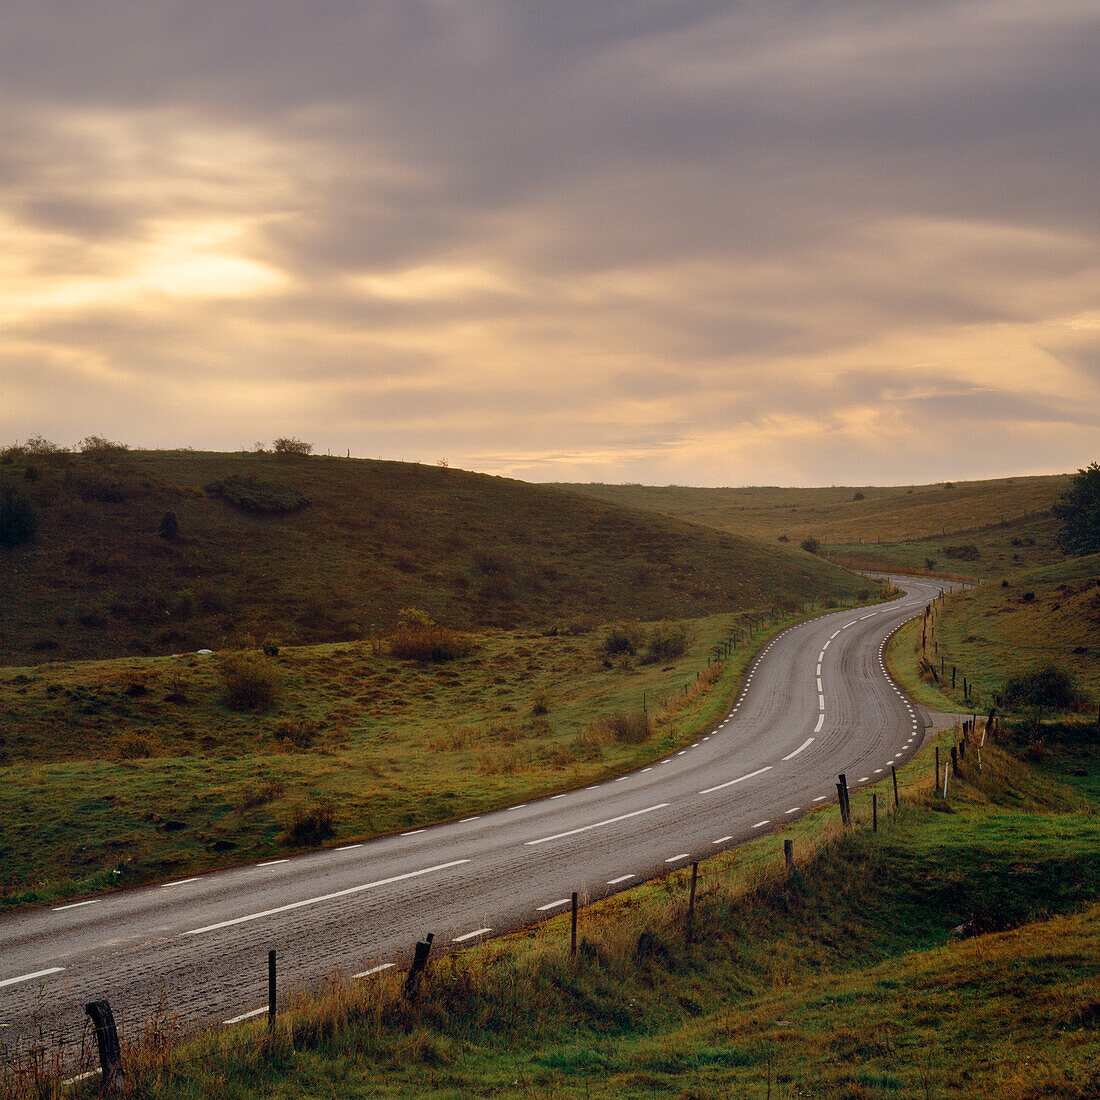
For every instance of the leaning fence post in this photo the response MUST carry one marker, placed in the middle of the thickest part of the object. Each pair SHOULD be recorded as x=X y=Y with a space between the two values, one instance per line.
x=271 y=988
x=106 y=1035
x=420 y=960
x=954 y=761
x=936 y=773
x=894 y=776
x=788 y=855
x=874 y=811
x=573 y=928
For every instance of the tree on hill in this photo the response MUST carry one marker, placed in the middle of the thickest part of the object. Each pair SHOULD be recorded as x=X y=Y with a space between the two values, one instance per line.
x=1078 y=509
x=291 y=445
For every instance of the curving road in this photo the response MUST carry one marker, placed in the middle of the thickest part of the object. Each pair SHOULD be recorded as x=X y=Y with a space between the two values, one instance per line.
x=815 y=702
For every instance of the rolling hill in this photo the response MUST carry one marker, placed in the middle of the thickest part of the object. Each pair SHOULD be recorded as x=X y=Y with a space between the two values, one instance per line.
x=310 y=549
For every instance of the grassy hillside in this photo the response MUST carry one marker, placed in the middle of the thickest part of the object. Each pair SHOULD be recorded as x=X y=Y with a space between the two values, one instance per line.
x=1007 y=519
x=998 y=630
x=251 y=558
x=845 y=980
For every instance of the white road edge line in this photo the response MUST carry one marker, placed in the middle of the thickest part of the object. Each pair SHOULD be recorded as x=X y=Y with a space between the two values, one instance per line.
x=598 y=824
x=673 y=859
x=820 y=723
x=739 y=779
x=31 y=977
x=323 y=897
x=553 y=904
x=472 y=935
x=760 y=824
x=247 y=1015
x=722 y=840
x=373 y=970
x=616 y=881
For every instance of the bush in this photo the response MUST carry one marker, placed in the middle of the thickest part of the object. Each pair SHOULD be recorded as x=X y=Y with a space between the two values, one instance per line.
x=311 y=824
x=258 y=498
x=18 y=522
x=299 y=732
x=38 y=445
x=630 y=729
x=857 y=496
x=667 y=641
x=540 y=704
x=248 y=683
x=419 y=638
x=133 y=746
x=966 y=552
x=810 y=545
x=1042 y=688
x=97 y=489
x=169 y=527
x=290 y=446
x=99 y=445
x=622 y=640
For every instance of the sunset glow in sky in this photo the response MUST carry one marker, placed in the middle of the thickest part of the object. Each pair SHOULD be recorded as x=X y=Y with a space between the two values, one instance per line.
x=688 y=241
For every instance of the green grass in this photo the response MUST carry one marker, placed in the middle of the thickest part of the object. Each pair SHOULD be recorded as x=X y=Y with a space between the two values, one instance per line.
x=885 y=514
x=844 y=981
x=471 y=550
x=994 y=631
x=393 y=744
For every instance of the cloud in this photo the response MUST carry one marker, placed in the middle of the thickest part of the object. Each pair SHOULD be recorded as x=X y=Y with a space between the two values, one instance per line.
x=643 y=241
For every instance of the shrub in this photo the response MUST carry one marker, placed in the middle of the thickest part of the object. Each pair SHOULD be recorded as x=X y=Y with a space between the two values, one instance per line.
x=966 y=552
x=248 y=683
x=630 y=729
x=857 y=496
x=99 y=445
x=419 y=638
x=784 y=538
x=811 y=545
x=1045 y=687
x=169 y=526
x=258 y=498
x=290 y=446
x=299 y=732
x=98 y=489
x=38 y=445
x=311 y=824
x=270 y=647
x=540 y=704
x=133 y=746
x=621 y=640
x=667 y=641
x=18 y=522
x=260 y=793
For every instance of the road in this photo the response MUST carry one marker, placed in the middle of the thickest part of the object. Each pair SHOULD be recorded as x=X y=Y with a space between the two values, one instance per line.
x=815 y=702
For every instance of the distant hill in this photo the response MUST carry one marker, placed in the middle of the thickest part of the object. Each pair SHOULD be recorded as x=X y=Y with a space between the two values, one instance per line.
x=317 y=549
x=1008 y=519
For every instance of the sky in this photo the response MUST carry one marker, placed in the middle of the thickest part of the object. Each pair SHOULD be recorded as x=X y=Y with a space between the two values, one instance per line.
x=782 y=242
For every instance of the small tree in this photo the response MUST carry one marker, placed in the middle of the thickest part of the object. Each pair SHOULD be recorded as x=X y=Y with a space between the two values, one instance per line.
x=17 y=519
x=811 y=545
x=169 y=527
x=100 y=445
x=1043 y=688
x=1078 y=510
x=289 y=445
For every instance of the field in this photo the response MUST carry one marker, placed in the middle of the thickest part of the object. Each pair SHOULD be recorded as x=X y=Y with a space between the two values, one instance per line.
x=319 y=549
x=1007 y=521
x=1000 y=629
x=118 y=772
x=846 y=980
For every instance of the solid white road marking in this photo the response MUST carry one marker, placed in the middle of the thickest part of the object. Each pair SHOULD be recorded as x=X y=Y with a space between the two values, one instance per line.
x=31 y=977
x=598 y=824
x=76 y=905
x=247 y=1015
x=324 y=897
x=554 y=904
x=471 y=935
x=373 y=970
x=739 y=779
x=805 y=745
x=616 y=881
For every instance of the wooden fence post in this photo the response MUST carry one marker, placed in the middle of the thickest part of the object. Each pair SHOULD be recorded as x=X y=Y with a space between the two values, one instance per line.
x=936 y=773
x=106 y=1036
x=573 y=928
x=788 y=855
x=874 y=811
x=420 y=961
x=954 y=762
x=271 y=989
x=894 y=776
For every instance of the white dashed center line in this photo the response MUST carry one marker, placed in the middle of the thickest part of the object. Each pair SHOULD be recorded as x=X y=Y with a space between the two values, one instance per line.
x=616 y=881
x=739 y=779
x=31 y=977
x=598 y=824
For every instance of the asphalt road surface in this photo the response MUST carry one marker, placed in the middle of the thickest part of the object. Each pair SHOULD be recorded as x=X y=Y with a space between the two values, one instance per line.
x=817 y=701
